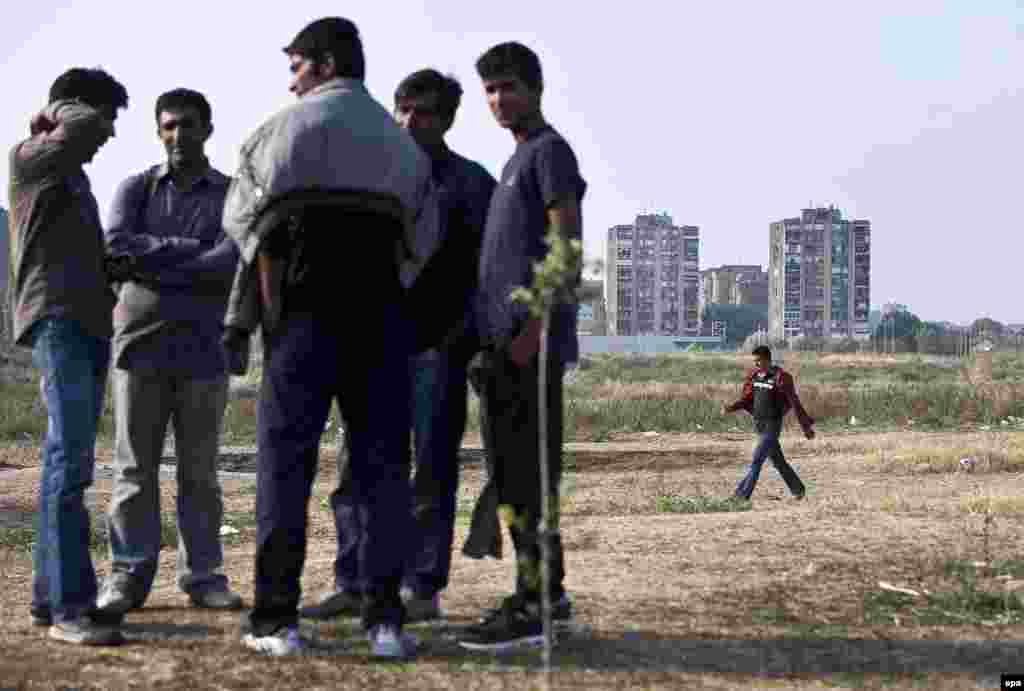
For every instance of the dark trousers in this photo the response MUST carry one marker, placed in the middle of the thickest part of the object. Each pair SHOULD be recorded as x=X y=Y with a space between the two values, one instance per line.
x=509 y=401
x=768 y=447
x=310 y=362
x=439 y=421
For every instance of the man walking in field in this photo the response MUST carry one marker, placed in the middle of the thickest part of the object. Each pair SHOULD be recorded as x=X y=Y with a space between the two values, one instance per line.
x=168 y=362
x=768 y=394
x=62 y=311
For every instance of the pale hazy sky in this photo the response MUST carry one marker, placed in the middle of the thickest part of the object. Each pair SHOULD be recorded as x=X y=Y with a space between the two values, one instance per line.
x=726 y=115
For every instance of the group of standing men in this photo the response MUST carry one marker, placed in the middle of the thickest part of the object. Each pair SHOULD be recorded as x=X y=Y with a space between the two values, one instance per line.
x=193 y=262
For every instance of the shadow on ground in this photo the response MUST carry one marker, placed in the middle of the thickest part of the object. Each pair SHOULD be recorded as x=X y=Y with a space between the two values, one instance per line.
x=650 y=651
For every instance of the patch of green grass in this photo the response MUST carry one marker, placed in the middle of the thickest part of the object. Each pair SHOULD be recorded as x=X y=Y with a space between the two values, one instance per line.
x=17 y=537
x=861 y=680
x=22 y=538
x=966 y=603
x=22 y=414
x=239 y=425
x=668 y=503
x=778 y=616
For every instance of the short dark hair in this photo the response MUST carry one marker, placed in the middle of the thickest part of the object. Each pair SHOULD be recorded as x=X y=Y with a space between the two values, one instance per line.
x=179 y=99
x=511 y=58
x=430 y=81
x=762 y=351
x=337 y=36
x=90 y=85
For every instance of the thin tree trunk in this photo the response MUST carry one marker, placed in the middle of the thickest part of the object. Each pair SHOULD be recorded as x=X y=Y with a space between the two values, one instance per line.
x=545 y=490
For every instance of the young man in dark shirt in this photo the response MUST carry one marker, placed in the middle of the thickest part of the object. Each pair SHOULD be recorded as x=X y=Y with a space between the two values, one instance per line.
x=62 y=310
x=540 y=189
x=768 y=394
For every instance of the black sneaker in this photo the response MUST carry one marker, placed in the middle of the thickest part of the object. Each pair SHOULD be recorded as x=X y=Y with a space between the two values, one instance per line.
x=561 y=609
x=513 y=626
x=40 y=616
x=336 y=603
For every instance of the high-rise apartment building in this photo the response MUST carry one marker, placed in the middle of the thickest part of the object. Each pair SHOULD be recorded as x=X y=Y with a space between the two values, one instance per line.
x=652 y=278
x=819 y=276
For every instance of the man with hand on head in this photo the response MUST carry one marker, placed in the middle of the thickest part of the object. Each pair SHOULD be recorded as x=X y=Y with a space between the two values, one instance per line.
x=62 y=311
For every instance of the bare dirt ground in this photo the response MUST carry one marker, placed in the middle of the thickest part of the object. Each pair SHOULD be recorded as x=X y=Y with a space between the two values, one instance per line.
x=772 y=598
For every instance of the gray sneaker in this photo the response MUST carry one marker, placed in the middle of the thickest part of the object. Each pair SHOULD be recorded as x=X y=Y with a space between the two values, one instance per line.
x=84 y=631
x=285 y=641
x=337 y=603
x=387 y=641
x=216 y=598
x=118 y=595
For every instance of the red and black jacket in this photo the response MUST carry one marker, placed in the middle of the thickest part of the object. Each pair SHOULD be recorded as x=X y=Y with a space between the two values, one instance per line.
x=770 y=394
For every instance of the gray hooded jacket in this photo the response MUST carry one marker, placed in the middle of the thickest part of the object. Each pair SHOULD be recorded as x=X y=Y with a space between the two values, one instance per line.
x=335 y=146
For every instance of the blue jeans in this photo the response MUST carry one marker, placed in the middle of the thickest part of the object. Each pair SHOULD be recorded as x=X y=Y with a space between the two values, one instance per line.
x=768 y=447
x=438 y=413
x=74 y=366
x=439 y=423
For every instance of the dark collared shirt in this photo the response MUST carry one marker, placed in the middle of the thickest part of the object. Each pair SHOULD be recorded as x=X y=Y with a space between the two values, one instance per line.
x=170 y=320
x=56 y=236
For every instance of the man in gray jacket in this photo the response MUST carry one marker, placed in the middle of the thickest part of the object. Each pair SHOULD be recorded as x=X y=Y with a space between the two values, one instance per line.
x=165 y=223
x=327 y=194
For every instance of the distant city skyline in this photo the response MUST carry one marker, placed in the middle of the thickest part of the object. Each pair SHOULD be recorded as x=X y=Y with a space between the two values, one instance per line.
x=726 y=116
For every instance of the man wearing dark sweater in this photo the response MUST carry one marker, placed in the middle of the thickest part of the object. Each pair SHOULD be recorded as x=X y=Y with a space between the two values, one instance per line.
x=768 y=394
x=165 y=223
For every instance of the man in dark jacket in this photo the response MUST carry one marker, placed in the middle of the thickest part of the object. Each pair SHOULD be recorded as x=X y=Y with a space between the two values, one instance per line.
x=768 y=394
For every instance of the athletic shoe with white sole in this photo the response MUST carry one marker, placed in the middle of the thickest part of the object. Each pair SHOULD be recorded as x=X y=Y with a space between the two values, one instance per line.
x=283 y=641
x=513 y=626
x=387 y=641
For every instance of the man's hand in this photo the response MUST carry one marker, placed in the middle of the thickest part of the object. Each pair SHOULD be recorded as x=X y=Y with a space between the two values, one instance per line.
x=41 y=123
x=725 y=409
x=524 y=346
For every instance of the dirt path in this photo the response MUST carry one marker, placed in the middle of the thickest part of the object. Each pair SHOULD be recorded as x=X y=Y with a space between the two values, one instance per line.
x=775 y=597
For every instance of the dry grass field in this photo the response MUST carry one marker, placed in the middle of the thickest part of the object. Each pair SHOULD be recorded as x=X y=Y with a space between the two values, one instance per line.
x=901 y=570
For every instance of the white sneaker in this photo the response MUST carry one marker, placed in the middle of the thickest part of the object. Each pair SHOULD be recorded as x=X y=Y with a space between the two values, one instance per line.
x=387 y=641
x=285 y=641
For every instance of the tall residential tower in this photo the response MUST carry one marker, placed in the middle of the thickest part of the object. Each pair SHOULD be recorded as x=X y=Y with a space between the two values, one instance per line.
x=652 y=278
x=819 y=276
